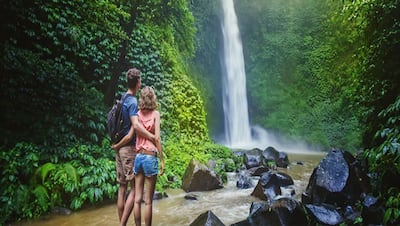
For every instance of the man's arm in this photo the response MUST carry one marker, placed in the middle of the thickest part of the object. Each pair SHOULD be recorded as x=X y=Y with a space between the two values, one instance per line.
x=135 y=127
x=141 y=131
x=128 y=137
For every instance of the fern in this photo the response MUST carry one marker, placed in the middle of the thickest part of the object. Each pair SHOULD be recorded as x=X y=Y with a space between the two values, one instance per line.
x=71 y=172
x=44 y=170
x=42 y=197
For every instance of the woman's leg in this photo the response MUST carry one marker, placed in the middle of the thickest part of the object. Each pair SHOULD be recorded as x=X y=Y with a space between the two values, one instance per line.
x=128 y=204
x=150 y=187
x=139 y=184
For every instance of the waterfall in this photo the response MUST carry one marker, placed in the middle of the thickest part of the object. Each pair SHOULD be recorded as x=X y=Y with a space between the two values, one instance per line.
x=236 y=117
x=238 y=133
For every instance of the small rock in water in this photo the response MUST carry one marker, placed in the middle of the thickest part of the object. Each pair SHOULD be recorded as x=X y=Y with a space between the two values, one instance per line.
x=191 y=196
x=61 y=210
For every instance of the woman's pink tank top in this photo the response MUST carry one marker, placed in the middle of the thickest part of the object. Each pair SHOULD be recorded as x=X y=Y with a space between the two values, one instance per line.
x=147 y=120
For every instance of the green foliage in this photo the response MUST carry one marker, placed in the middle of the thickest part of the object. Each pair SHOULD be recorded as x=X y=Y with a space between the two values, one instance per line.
x=384 y=161
x=56 y=55
x=375 y=88
x=392 y=213
x=33 y=186
x=17 y=167
x=205 y=65
x=387 y=153
x=52 y=182
x=97 y=176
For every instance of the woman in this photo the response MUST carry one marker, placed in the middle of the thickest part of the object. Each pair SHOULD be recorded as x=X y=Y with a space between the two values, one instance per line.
x=146 y=162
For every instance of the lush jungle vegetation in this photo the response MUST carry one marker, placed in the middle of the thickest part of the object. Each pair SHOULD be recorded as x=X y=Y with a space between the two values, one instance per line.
x=62 y=65
x=326 y=72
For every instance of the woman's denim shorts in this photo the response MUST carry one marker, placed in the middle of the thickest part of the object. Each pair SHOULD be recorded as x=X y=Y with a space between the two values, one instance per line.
x=148 y=164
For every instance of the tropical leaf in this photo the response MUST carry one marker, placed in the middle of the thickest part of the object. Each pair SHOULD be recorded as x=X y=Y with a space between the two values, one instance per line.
x=42 y=196
x=43 y=171
x=71 y=172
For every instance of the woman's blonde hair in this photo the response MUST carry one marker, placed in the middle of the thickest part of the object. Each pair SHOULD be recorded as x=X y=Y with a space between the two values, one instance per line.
x=147 y=99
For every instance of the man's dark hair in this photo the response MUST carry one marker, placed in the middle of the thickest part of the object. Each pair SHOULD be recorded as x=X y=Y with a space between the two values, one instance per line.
x=132 y=77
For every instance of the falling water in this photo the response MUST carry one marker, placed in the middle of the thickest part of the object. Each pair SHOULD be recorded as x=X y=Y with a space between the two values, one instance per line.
x=237 y=126
x=238 y=132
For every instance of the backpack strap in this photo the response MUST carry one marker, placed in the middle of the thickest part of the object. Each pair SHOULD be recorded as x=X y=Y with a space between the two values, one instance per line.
x=123 y=97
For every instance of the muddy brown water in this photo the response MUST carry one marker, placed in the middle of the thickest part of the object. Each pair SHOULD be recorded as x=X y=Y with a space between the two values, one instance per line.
x=229 y=204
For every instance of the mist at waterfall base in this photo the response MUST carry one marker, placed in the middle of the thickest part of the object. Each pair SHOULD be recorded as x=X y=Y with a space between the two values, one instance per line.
x=262 y=138
x=238 y=134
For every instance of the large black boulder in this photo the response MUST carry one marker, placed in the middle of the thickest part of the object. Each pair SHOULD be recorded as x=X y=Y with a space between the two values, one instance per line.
x=337 y=180
x=207 y=219
x=325 y=214
x=281 y=212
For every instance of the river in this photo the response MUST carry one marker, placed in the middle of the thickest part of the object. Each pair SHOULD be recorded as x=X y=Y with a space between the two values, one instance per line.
x=229 y=204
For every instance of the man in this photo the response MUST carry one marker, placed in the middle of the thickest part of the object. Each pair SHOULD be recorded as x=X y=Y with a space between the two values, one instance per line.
x=125 y=149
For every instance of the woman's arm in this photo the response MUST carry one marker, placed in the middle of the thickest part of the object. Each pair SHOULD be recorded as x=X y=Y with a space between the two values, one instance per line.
x=158 y=140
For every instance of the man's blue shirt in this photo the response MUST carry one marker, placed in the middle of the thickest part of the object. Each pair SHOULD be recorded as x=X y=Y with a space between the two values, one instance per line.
x=129 y=108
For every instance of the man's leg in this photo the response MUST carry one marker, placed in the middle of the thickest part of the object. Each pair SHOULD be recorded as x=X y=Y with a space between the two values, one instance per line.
x=128 y=205
x=121 y=200
x=126 y=156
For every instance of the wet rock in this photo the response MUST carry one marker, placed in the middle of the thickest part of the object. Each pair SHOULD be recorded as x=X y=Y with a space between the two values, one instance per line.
x=159 y=195
x=257 y=171
x=191 y=196
x=289 y=211
x=270 y=154
x=350 y=214
x=282 y=212
x=337 y=180
x=244 y=180
x=288 y=191
x=373 y=211
x=198 y=177
x=61 y=210
x=333 y=172
x=207 y=219
x=242 y=223
x=268 y=187
x=252 y=158
x=260 y=214
x=283 y=160
x=325 y=214
x=277 y=158
x=284 y=179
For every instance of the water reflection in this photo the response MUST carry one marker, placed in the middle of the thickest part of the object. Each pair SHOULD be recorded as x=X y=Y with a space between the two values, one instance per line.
x=229 y=204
